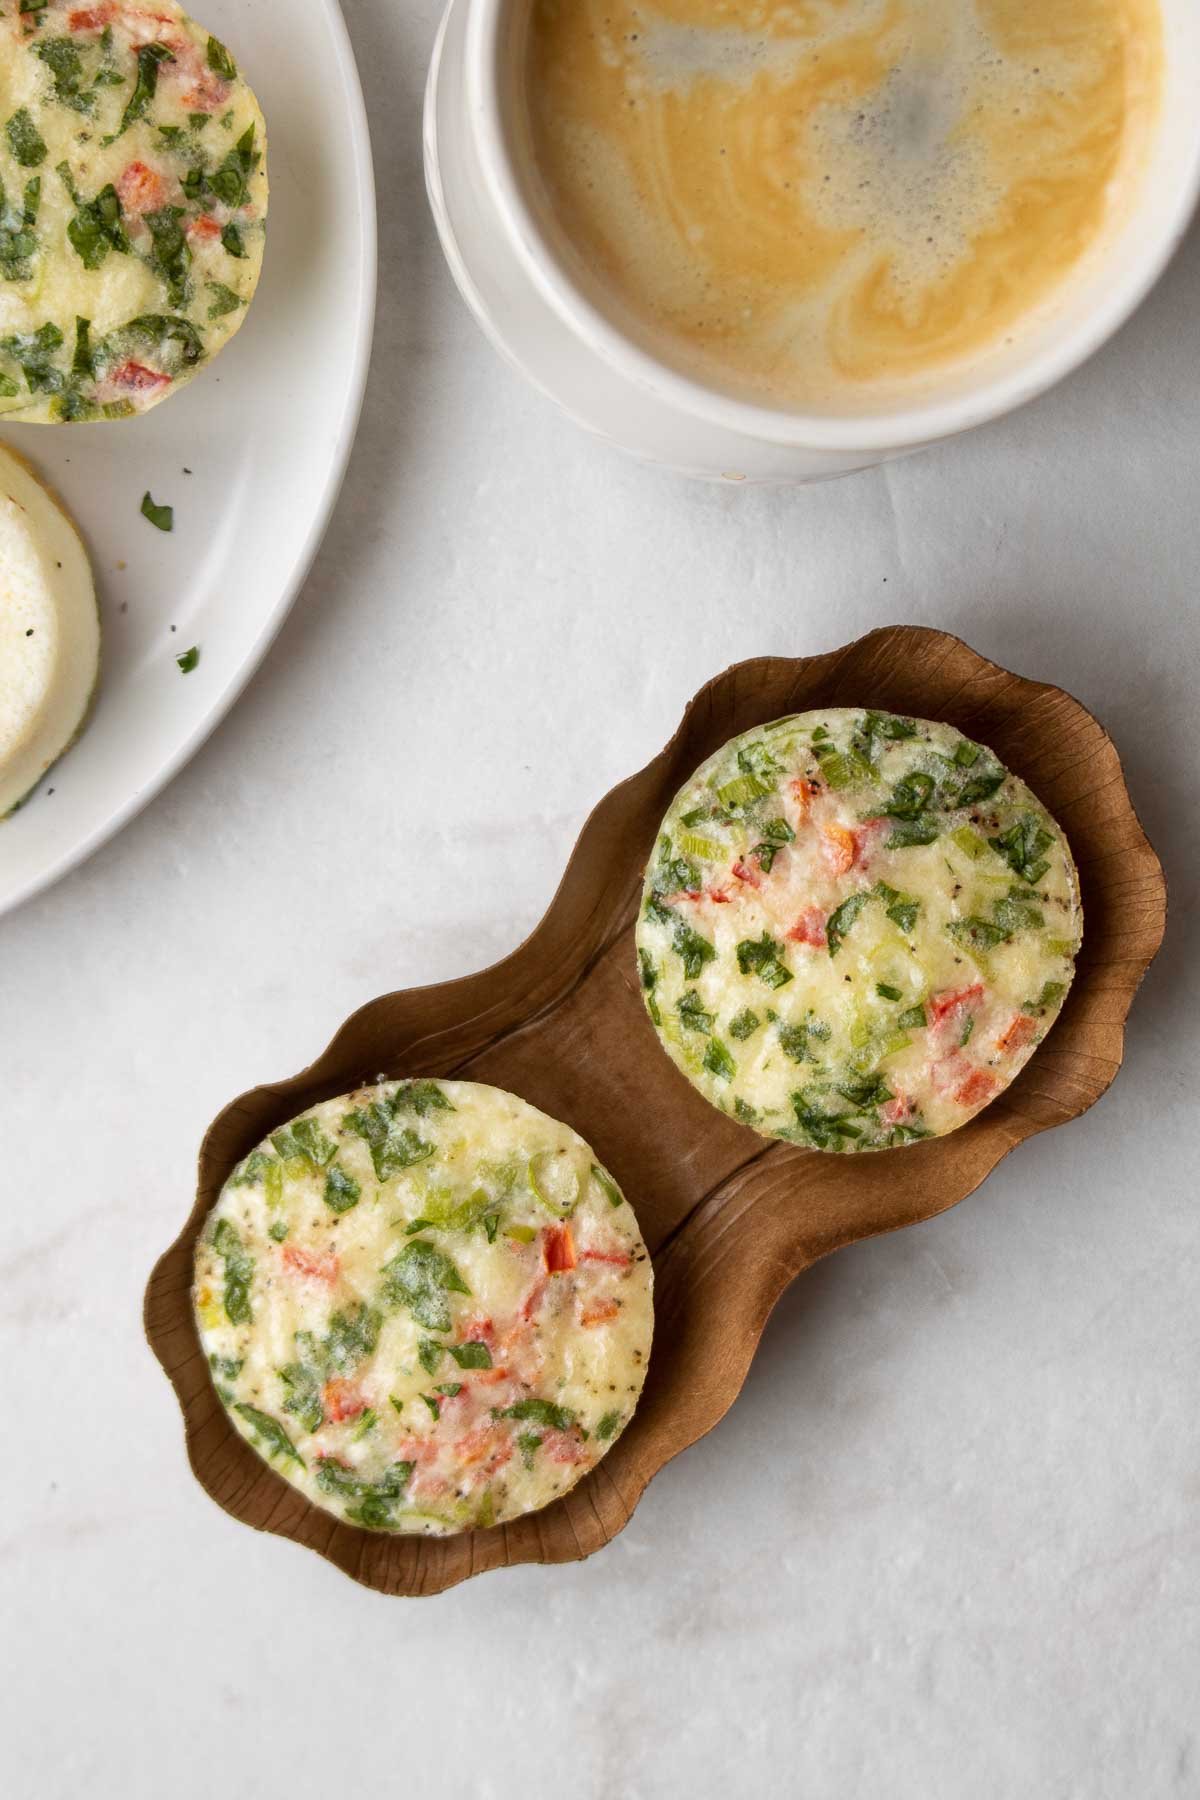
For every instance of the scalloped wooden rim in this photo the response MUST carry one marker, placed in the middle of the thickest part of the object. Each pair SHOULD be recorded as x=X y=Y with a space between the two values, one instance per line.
x=528 y=1023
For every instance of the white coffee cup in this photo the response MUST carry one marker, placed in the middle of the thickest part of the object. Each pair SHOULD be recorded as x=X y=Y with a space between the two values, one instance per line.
x=501 y=246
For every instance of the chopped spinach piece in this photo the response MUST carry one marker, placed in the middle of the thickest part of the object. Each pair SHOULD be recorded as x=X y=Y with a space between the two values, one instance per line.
x=65 y=64
x=901 y=909
x=976 y=933
x=540 y=1412
x=527 y=1443
x=302 y=1395
x=304 y=1138
x=341 y=1190
x=231 y=238
x=1016 y=911
x=608 y=1426
x=25 y=140
x=474 y=1355
x=161 y=517
x=865 y=1092
x=18 y=243
x=764 y=958
x=429 y=1354
x=842 y=918
x=224 y=300
x=220 y=61
x=744 y=1024
x=981 y=786
x=377 y=1500
x=912 y=1020
x=170 y=255
x=421 y=1097
x=419 y=1278
x=239 y=1271
x=96 y=227
x=718 y=1061
x=692 y=949
x=230 y=183
x=270 y=1431
x=911 y=796
x=909 y=834
x=166 y=338
x=1022 y=845
x=189 y=660
x=692 y=1015
x=794 y=1041
x=149 y=59
x=351 y=1338
x=392 y=1147
x=33 y=350
x=886 y=992
x=827 y=1131
x=249 y=1173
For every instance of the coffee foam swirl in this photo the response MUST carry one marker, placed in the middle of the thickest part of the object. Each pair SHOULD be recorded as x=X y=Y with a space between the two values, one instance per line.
x=814 y=201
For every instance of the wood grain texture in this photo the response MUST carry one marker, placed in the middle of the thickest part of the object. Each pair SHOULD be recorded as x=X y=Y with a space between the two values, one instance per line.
x=730 y=1218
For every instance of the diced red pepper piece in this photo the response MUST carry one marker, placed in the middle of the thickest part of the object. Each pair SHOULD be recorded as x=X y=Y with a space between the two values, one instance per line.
x=140 y=188
x=617 y=1258
x=325 y=1267
x=204 y=227
x=809 y=928
x=600 y=1313
x=975 y=1088
x=558 y=1249
x=91 y=18
x=141 y=379
x=942 y=1005
x=1020 y=1032
x=752 y=877
x=533 y=1298
x=563 y=1447
x=839 y=849
x=342 y=1400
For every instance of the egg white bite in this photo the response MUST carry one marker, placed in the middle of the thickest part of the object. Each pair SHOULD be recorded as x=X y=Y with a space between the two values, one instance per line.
x=426 y=1305
x=49 y=631
x=856 y=929
x=133 y=202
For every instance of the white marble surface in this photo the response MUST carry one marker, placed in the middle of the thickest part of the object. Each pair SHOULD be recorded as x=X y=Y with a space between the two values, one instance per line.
x=946 y=1543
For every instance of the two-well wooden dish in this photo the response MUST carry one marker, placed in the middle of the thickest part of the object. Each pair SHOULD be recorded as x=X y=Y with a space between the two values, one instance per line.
x=730 y=1218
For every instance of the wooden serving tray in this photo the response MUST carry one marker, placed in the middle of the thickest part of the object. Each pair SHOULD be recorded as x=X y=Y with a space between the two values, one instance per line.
x=729 y=1217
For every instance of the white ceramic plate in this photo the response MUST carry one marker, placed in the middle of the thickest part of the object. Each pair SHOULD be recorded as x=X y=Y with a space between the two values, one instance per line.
x=266 y=433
